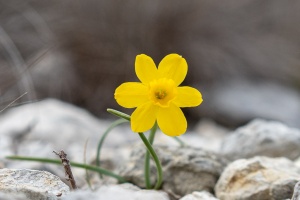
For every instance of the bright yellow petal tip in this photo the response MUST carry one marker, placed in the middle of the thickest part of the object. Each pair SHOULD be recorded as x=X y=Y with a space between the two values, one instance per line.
x=145 y=68
x=174 y=67
x=188 y=97
x=171 y=121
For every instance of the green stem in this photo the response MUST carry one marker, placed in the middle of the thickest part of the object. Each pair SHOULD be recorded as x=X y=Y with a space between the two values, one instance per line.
x=182 y=144
x=74 y=164
x=156 y=160
x=100 y=144
x=147 y=158
x=148 y=146
x=119 y=114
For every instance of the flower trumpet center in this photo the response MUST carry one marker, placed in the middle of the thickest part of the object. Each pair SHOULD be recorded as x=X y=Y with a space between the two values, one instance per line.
x=162 y=91
x=160 y=94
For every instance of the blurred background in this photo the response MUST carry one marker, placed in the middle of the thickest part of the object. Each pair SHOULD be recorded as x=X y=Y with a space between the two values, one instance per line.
x=244 y=56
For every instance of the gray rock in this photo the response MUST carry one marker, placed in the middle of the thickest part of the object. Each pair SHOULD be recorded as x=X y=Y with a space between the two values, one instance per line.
x=296 y=194
x=239 y=101
x=258 y=178
x=12 y=196
x=32 y=183
x=185 y=169
x=260 y=137
x=58 y=123
x=6 y=148
x=117 y=192
x=207 y=135
x=199 y=196
x=39 y=128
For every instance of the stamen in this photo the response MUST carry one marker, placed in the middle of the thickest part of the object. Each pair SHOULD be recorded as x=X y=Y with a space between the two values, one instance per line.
x=161 y=94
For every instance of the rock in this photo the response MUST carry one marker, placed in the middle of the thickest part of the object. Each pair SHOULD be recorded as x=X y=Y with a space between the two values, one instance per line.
x=207 y=135
x=32 y=183
x=12 y=196
x=185 y=169
x=296 y=194
x=199 y=196
x=117 y=192
x=58 y=123
x=6 y=148
x=239 y=101
x=39 y=128
x=210 y=133
x=260 y=137
x=258 y=178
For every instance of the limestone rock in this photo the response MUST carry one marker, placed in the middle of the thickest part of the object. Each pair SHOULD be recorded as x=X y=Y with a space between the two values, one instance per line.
x=11 y=196
x=265 y=138
x=39 y=128
x=6 y=148
x=207 y=135
x=199 y=196
x=58 y=124
x=296 y=194
x=258 y=178
x=32 y=183
x=185 y=169
x=117 y=192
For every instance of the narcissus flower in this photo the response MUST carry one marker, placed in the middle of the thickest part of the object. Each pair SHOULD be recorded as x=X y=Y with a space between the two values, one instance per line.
x=158 y=97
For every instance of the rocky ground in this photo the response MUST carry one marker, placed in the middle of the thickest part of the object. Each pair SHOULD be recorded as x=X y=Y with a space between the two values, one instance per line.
x=259 y=160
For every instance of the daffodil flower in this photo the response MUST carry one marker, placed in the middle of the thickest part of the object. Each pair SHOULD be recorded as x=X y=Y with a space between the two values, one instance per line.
x=158 y=97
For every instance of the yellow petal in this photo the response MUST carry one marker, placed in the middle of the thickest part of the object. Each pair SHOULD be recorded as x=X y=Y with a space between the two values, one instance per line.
x=171 y=120
x=131 y=94
x=173 y=66
x=187 y=97
x=144 y=117
x=145 y=68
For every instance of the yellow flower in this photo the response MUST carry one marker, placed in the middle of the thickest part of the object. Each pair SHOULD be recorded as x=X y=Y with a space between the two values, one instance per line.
x=158 y=96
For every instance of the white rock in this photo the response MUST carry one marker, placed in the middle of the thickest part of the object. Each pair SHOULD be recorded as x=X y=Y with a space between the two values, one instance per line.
x=32 y=183
x=207 y=135
x=204 y=195
x=60 y=124
x=11 y=196
x=296 y=194
x=39 y=128
x=117 y=192
x=6 y=148
x=258 y=178
x=260 y=137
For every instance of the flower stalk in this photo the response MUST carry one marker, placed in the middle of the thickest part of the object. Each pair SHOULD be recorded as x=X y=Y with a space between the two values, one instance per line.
x=147 y=171
x=100 y=144
x=156 y=160
x=150 y=150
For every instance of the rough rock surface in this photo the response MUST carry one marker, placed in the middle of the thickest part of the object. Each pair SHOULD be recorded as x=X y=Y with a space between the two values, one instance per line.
x=12 y=196
x=185 y=169
x=39 y=128
x=199 y=196
x=258 y=178
x=32 y=183
x=265 y=138
x=296 y=194
x=56 y=123
x=117 y=192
